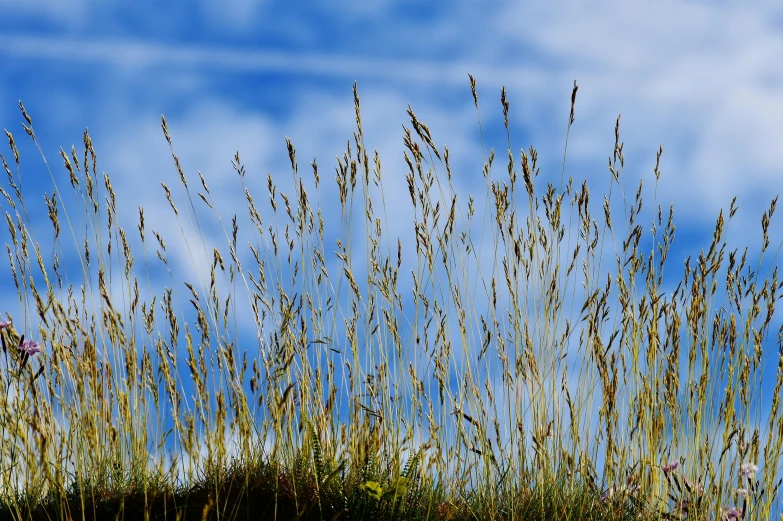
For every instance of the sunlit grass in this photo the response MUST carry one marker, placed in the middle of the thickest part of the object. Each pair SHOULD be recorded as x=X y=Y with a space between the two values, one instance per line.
x=439 y=378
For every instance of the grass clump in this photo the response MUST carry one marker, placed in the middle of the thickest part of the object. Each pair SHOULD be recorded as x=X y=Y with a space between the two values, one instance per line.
x=461 y=396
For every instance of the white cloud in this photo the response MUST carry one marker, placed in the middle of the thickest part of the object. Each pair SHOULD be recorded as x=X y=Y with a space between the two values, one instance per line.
x=702 y=72
x=236 y=14
x=71 y=14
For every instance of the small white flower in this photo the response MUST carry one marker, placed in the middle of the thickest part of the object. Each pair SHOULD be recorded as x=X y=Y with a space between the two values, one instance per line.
x=748 y=469
x=742 y=492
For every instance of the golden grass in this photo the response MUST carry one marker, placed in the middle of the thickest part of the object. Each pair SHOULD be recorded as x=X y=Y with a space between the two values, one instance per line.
x=468 y=374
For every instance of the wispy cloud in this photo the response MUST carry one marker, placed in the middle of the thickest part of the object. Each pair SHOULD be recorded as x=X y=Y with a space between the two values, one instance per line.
x=128 y=53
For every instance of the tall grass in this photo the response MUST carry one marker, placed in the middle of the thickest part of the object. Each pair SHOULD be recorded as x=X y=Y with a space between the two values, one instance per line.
x=435 y=379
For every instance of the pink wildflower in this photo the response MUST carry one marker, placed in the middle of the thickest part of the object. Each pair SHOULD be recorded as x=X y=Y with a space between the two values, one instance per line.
x=671 y=466
x=30 y=347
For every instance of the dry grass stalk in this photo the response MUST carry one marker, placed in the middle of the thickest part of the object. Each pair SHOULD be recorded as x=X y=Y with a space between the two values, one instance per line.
x=660 y=407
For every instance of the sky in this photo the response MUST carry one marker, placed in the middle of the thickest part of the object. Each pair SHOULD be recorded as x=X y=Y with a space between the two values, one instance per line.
x=700 y=79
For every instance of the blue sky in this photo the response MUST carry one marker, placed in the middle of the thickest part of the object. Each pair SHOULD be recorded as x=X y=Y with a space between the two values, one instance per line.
x=700 y=78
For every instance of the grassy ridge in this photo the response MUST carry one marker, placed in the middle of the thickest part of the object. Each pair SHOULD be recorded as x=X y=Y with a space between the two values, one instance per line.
x=463 y=394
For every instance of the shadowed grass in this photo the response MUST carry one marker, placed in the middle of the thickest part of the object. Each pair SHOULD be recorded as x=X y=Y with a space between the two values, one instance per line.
x=450 y=388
